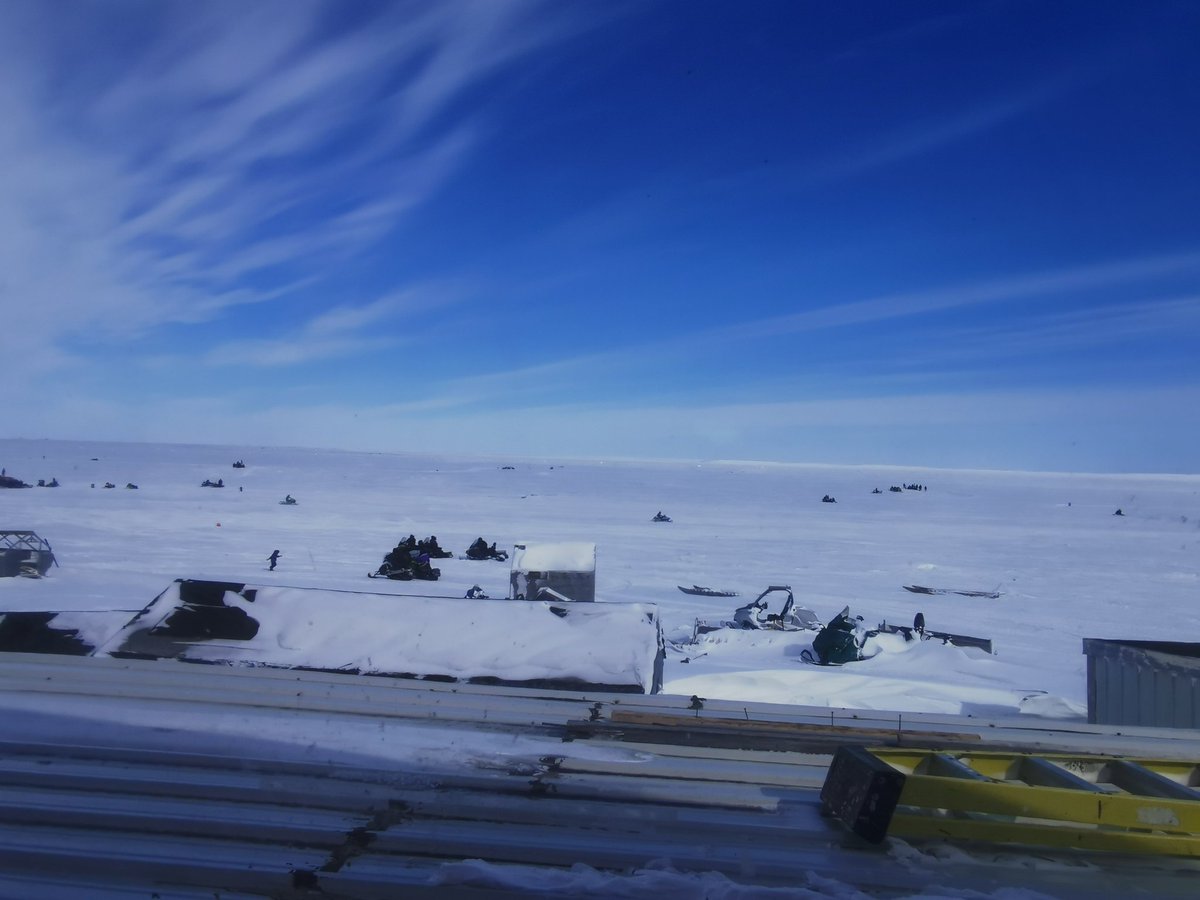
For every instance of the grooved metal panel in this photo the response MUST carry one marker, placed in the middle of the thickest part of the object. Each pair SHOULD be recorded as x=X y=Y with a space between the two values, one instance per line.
x=499 y=795
x=1146 y=683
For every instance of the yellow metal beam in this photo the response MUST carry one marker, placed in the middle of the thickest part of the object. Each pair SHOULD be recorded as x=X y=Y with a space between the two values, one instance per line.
x=1086 y=802
x=1051 y=803
x=906 y=825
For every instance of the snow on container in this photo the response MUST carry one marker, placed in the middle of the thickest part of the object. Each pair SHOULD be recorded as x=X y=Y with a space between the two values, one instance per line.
x=554 y=571
x=1154 y=683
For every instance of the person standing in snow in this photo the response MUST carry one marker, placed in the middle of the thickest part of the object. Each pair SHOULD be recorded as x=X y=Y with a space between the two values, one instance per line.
x=273 y=558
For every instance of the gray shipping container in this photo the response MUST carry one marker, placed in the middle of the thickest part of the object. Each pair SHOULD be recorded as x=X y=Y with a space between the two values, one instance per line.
x=1153 y=683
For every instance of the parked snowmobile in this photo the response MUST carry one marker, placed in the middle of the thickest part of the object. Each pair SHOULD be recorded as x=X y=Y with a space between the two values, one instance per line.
x=754 y=616
x=431 y=546
x=840 y=641
x=480 y=550
x=420 y=570
x=404 y=563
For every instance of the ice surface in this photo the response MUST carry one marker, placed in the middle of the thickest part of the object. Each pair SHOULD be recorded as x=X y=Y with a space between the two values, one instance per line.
x=1066 y=566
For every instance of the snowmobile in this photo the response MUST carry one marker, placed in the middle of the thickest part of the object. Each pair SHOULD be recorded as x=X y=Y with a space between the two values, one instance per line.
x=404 y=562
x=418 y=569
x=480 y=550
x=431 y=546
x=661 y=517
x=842 y=640
x=289 y=500
x=755 y=617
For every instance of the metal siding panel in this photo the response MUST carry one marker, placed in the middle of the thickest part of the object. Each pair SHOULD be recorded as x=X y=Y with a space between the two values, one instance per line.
x=1092 y=687
x=1139 y=698
x=1128 y=702
x=1188 y=703
x=1104 y=690
x=1164 y=698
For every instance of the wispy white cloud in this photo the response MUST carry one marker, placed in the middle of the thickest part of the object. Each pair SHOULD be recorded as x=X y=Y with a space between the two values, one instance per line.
x=1046 y=285
x=339 y=332
x=734 y=344
x=1052 y=332
x=155 y=155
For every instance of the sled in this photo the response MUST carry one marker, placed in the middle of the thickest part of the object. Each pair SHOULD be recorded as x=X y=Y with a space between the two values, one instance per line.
x=921 y=589
x=699 y=591
x=918 y=631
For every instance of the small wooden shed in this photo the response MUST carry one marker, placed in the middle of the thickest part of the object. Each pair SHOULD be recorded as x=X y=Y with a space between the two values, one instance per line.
x=567 y=569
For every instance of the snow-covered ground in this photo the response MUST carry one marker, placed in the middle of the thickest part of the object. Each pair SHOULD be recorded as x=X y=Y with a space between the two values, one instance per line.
x=1066 y=566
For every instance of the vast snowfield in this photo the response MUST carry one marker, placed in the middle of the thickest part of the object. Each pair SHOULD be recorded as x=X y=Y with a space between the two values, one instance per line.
x=1066 y=567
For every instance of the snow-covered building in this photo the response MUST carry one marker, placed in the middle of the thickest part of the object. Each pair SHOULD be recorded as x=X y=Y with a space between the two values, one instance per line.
x=568 y=569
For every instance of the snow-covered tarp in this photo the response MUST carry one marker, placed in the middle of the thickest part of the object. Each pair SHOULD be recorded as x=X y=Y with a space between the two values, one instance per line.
x=610 y=646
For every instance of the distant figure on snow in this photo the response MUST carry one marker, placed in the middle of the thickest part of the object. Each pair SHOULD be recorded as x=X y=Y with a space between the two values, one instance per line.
x=660 y=516
x=1118 y=512
x=273 y=559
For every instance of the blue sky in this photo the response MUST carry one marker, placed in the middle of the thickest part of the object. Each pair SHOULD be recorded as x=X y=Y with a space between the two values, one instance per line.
x=941 y=234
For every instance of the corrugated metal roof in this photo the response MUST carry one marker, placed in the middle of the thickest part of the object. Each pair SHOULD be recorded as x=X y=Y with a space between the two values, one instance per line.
x=279 y=783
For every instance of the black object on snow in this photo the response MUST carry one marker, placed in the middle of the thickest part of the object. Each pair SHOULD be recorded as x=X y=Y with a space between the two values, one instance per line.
x=481 y=549
x=405 y=562
x=839 y=641
x=33 y=632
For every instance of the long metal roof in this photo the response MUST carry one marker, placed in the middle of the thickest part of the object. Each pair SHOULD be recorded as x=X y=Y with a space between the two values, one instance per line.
x=276 y=783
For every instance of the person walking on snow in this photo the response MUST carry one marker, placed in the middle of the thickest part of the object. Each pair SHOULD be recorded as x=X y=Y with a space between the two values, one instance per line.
x=273 y=558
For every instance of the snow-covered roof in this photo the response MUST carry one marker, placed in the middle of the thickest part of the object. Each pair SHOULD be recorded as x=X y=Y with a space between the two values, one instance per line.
x=613 y=644
x=569 y=556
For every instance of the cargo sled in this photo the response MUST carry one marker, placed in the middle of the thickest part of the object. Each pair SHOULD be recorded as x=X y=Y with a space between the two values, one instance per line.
x=24 y=553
